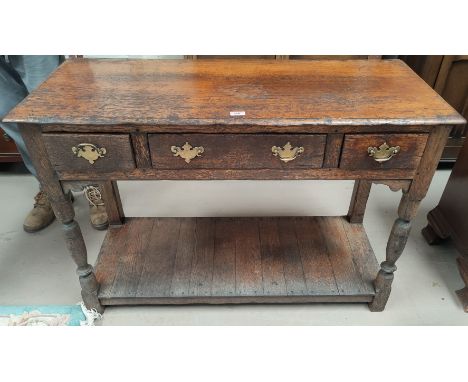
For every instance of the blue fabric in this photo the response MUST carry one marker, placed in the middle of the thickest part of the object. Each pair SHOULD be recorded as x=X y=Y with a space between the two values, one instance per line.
x=75 y=312
x=18 y=77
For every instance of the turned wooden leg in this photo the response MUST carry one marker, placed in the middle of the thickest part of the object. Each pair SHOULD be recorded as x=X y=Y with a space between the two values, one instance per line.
x=412 y=196
x=357 y=206
x=395 y=246
x=65 y=213
x=77 y=248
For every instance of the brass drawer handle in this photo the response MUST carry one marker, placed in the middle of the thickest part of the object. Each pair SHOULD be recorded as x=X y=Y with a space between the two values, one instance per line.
x=187 y=152
x=383 y=153
x=89 y=152
x=287 y=153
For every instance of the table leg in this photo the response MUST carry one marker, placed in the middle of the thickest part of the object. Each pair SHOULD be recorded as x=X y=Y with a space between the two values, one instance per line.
x=64 y=212
x=406 y=211
x=357 y=206
x=111 y=196
x=395 y=246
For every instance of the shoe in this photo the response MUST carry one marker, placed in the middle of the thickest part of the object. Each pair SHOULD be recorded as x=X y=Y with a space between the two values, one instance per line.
x=97 y=209
x=40 y=216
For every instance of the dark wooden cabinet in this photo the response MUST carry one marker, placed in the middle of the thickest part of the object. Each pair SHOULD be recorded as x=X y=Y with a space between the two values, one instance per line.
x=448 y=75
x=449 y=219
x=8 y=149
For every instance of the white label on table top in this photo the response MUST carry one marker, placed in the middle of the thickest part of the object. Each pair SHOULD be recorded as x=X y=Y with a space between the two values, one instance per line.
x=236 y=113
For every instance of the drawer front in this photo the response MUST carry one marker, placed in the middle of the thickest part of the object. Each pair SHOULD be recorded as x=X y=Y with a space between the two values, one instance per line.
x=366 y=151
x=236 y=151
x=90 y=152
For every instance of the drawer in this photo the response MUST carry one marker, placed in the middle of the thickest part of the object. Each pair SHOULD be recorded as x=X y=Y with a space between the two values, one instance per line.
x=357 y=151
x=90 y=152
x=236 y=151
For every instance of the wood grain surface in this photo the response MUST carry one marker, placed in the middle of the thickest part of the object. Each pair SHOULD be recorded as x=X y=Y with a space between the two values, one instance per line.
x=118 y=156
x=216 y=260
x=236 y=151
x=355 y=155
x=278 y=92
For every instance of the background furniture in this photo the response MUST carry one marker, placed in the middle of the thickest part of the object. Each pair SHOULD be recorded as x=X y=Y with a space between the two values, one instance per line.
x=261 y=120
x=448 y=75
x=449 y=219
x=8 y=150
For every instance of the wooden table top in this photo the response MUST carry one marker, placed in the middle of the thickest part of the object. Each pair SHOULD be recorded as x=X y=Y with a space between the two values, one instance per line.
x=185 y=92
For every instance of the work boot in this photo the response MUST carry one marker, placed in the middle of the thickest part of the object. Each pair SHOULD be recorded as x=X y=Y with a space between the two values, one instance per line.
x=97 y=209
x=40 y=216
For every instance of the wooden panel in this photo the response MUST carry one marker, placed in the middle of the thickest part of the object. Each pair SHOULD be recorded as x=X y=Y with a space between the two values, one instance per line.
x=248 y=258
x=333 y=150
x=180 y=284
x=224 y=263
x=159 y=258
x=236 y=151
x=318 y=270
x=129 y=264
x=233 y=260
x=116 y=241
x=118 y=154
x=141 y=150
x=251 y=174
x=338 y=247
x=188 y=92
x=202 y=261
x=274 y=282
x=293 y=127
x=293 y=271
x=8 y=149
x=356 y=156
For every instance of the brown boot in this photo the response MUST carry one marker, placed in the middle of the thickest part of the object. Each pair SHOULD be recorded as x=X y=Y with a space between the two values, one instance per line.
x=40 y=216
x=97 y=209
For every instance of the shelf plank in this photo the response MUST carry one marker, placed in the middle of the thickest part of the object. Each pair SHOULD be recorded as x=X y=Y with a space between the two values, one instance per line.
x=293 y=271
x=249 y=281
x=180 y=284
x=274 y=282
x=318 y=270
x=202 y=262
x=159 y=258
x=224 y=265
x=236 y=260
x=130 y=264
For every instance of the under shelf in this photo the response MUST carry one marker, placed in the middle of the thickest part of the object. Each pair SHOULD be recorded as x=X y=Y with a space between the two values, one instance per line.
x=236 y=260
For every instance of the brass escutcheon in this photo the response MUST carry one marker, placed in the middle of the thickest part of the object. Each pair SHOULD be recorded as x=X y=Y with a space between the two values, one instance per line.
x=383 y=153
x=287 y=153
x=89 y=152
x=187 y=152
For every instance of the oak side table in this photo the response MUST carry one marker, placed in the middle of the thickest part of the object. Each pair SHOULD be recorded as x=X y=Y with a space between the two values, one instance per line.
x=102 y=121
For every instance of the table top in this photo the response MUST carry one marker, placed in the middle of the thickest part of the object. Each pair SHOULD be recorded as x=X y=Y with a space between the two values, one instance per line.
x=234 y=92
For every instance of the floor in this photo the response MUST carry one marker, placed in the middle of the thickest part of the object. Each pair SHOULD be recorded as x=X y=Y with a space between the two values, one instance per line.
x=36 y=268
